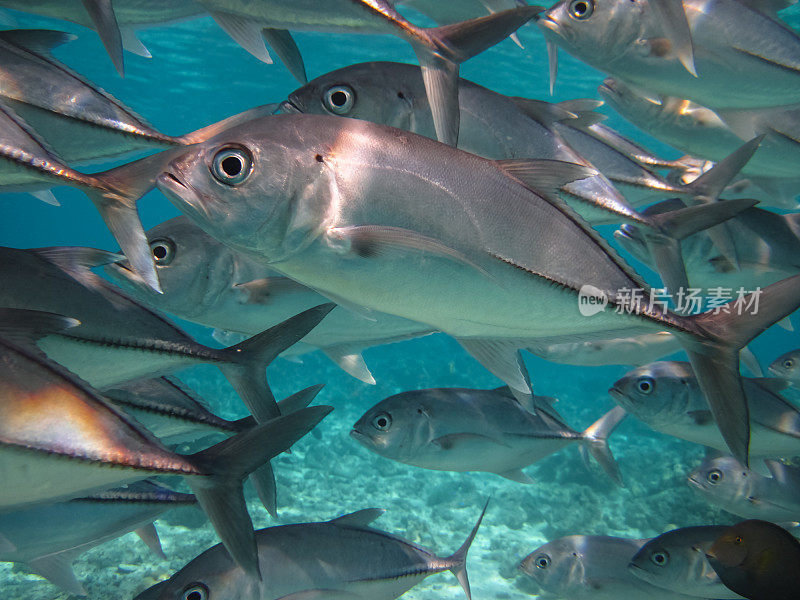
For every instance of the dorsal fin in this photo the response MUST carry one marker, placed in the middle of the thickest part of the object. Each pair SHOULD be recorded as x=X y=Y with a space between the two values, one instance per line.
x=40 y=41
x=360 y=518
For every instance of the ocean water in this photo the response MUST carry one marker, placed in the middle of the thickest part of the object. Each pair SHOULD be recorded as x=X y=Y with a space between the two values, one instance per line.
x=197 y=76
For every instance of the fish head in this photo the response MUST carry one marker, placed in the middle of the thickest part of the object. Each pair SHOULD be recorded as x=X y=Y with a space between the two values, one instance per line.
x=674 y=560
x=631 y=238
x=630 y=102
x=381 y=92
x=722 y=478
x=398 y=427
x=596 y=31
x=557 y=566
x=193 y=268
x=262 y=186
x=657 y=392
x=787 y=366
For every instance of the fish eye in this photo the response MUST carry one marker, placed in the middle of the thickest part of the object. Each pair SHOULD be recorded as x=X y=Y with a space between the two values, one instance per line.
x=339 y=99
x=231 y=166
x=163 y=251
x=195 y=591
x=660 y=558
x=715 y=476
x=542 y=561
x=382 y=421
x=581 y=9
x=788 y=363
x=645 y=385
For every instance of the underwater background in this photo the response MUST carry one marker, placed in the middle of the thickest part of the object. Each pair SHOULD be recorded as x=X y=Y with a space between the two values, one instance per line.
x=198 y=76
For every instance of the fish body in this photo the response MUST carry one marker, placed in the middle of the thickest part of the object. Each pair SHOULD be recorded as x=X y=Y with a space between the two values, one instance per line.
x=742 y=57
x=630 y=350
x=455 y=429
x=666 y=397
x=342 y=558
x=676 y=561
x=726 y=483
x=766 y=246
x=129 y=13
x=590 y=566
x=208 y=283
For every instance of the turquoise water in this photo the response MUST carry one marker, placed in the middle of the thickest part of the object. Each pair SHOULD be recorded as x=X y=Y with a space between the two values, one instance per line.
x=198 y=76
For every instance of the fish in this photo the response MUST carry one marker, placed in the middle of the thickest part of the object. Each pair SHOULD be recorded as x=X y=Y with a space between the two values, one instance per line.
x=47 y=539
x=676 y=561
x=120 y=340
x=116 y=25
x=172 y=413
x=341 y=558
x=503 y=128
x=59 y=438
x=630 y=350
x=757 y=559
x=205 y=282
x=700 y=131
x=458 y=429
x=373 y=216
x=726 y=483
x=667 y=398
x=787 y=366
x=592 y=567
x=766 y=246
x=718 y=53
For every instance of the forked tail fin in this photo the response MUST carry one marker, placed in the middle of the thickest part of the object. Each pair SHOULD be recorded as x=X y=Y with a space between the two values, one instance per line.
x=459 y=557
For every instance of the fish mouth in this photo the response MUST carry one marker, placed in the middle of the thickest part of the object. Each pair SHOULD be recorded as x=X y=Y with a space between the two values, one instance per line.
x=695 y=482
x=184 y=198
x=361 y=438
x=288 y=107
x=545 y=21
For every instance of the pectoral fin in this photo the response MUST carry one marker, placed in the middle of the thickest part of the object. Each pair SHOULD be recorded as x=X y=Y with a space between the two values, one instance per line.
x=105 y=22
x=57 y=569
x=244 y=32
x=676 y=27
x=503 y=360
x=283 y=44
x=350 y=362
x=518 y=476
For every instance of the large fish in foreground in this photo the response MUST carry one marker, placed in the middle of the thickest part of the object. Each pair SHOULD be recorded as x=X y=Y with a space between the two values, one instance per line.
x=205 y=282
x=484 y=250
x=456 y=429
x=60 y=439
x=666 y=396
x=719 y=53
x=47 y=539
x=340 y=559
x=676 y=561
x=726 y=483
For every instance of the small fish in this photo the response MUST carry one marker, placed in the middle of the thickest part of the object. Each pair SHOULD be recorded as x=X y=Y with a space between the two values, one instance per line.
x=766 y=246
x=59 y=438
x=676 y=561
x=718 y=53
x=337 y=559
x=726 y=483
x=757 y=559
x=666 y=396
x=590 y=567
x=456 y=429
x=382 y=218
x=47 y=539
x=205 y=282
x=630 y=350
x=787 y=366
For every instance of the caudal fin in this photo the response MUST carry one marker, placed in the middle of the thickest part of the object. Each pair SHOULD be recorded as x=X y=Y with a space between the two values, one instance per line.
x=220 y=493
x=459 y=557
x=595 y=438
x=440 y=50
x=714 y=354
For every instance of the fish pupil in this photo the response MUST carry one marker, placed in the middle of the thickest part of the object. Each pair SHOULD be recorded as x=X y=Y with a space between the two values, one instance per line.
x=160 y=252
x=339 y=98
x=232 y=166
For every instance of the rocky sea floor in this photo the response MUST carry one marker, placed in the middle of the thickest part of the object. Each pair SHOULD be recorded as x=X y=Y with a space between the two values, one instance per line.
x=328 y=474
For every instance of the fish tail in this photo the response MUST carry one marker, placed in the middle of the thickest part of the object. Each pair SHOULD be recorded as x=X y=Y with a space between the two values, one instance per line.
x=441 y=49
x=459 y=557
x=263 y=478
x=668 y=229
x=220 y=494
x=714 y=354
x=595 y=438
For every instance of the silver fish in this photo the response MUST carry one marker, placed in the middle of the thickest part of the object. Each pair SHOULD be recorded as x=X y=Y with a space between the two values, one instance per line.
x=456 y=429
x=700 y=131
x=630 y=350
x=676 y=561
x=787 y=366
x=392 y=221
x=59 y=438
x=719 y=53
x=48 y=538
x=666 y=396
x=208 y=283
x=594 y=567
x=341 y=558
x=726 y=483
x=502 y=127
x=766 y=246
